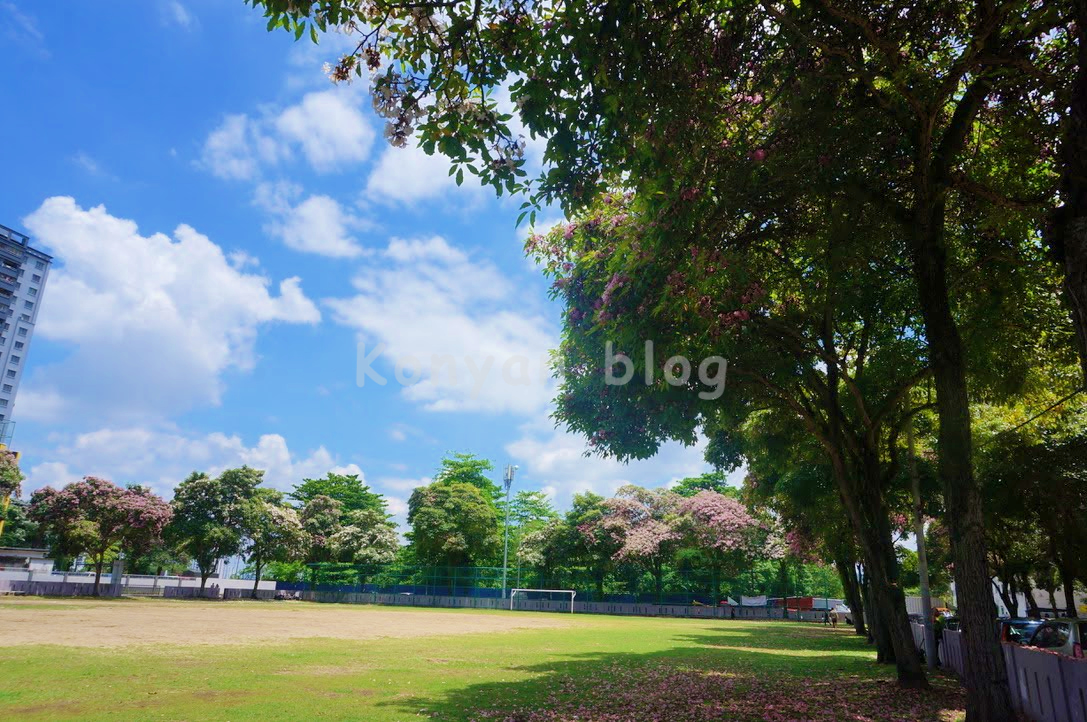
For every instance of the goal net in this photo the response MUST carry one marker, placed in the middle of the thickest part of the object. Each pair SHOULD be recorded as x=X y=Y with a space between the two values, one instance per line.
x=547 y=595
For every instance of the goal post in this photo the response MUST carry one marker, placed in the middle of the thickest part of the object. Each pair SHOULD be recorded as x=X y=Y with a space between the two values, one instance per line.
x=571 y=592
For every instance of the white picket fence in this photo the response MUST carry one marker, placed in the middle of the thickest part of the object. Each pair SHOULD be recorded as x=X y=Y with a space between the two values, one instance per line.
x=1045 y=686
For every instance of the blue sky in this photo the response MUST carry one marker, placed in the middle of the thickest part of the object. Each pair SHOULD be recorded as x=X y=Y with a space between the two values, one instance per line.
x=227 y=227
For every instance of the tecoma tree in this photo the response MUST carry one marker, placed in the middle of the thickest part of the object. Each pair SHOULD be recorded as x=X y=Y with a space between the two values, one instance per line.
x=366 y=537
x=96 y=517
x=720 y=528
x=668 y=334
x=643 y=524
x=272 y=533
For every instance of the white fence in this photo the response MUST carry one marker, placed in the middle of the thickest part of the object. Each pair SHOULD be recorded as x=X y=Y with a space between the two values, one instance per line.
x=1047 y=687
x=134 y=583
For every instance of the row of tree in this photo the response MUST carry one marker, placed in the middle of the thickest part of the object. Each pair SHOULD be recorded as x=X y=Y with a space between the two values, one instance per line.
x=208 y=520
x=700 y=525
x=875 y=211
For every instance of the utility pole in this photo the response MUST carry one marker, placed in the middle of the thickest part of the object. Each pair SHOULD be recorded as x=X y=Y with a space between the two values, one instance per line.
x=507 y=482
x=922 y=558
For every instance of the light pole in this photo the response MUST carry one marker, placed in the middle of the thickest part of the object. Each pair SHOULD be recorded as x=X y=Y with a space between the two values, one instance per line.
x=507 y=482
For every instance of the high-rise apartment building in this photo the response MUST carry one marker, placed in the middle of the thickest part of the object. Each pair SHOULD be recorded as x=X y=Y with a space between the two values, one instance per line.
x=23 y=272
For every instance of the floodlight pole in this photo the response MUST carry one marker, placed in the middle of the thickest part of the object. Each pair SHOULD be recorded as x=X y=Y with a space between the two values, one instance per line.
x=507 y=482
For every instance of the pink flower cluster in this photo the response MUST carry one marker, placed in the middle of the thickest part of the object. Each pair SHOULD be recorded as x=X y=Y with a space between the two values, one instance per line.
x=719 y=522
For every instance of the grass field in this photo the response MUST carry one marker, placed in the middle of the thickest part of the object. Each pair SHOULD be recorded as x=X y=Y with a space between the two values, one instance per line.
x=188 y=660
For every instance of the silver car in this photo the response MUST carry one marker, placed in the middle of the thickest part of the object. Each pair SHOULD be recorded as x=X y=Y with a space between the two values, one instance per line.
x=1063 y=636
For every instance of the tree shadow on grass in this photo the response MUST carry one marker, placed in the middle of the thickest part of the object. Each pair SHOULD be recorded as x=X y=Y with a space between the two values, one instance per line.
x=700 y=682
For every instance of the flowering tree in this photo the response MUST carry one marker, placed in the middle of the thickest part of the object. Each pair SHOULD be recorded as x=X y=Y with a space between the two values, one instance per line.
x=651 y=298
x=272 y=533
x=321 y=520
x=366 y=537
x=721 y=529
x=642 y=522
x=96 y=517
x=10 y=475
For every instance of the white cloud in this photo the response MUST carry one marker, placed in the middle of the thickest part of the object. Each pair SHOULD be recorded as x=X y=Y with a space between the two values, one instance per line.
x=174 y=13
x=317 y=224
x=408 y=176
x=430 y=301
x=330 y=129
x=161 y=458
x=154 y=321
x=238 y=148
x=21 y=29
x=554 y=460
x=326 y=126
x=91 y=166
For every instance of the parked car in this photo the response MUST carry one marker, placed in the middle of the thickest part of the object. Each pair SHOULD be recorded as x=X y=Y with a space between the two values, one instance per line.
x=1063 y=636
x=1017 y=630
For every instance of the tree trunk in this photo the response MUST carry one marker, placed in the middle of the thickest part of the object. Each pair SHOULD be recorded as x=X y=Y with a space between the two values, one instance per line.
x=1032 y=604
x=876 y=631
x=866 y=605
x=986 y=679
x=204 y=580
x=871 y=523
x=889 y=608
x=848 y=574
x=1068 y=581
x=256 y=578
x=98 y=576
x=1007 y=597
x=658 y=578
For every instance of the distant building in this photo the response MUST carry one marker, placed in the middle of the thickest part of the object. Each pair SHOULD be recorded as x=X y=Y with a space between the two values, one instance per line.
x=23 y=273
x=37 y=560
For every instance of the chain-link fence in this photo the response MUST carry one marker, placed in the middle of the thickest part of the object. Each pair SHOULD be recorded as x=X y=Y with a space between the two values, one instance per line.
x=625 y=584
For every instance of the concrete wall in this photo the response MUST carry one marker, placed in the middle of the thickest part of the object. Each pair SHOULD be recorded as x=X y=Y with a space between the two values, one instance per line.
x=58 y=589
x=129 y=581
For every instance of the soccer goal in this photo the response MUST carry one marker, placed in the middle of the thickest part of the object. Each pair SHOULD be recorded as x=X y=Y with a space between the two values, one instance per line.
x=546 y=595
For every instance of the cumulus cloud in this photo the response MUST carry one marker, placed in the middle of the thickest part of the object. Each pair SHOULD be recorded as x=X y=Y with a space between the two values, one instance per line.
x=329 y=128
x=161 y=458
x=455 y=326
x=238 y=148
x=554 y=459
x=326 y=126
x=318 y=224
x=407 y=176
x=154 y=321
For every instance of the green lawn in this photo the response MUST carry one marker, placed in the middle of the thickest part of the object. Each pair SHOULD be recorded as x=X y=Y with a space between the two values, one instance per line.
x=597 y=668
